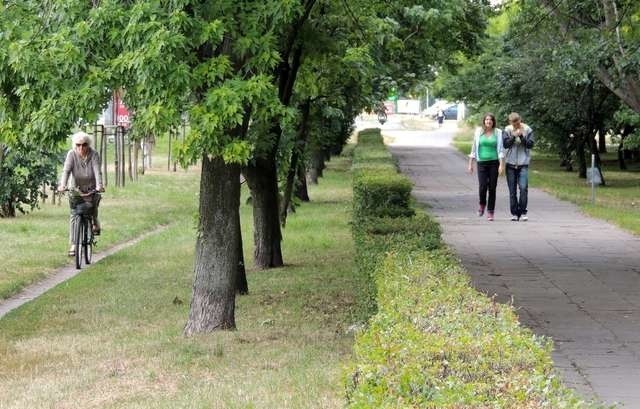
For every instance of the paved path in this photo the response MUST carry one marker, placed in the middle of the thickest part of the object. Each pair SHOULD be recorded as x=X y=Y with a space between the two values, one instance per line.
x=572 y=277
x=63 y=274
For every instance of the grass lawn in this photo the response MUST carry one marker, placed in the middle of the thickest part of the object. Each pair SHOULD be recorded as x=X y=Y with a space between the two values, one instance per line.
x=36 y=244
x=111 y=336
x=618 y=202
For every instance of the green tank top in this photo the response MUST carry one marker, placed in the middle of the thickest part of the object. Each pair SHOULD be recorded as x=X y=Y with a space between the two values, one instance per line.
x=487 y=149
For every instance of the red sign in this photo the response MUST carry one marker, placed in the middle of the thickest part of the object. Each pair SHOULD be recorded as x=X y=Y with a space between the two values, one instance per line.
x=122 y=112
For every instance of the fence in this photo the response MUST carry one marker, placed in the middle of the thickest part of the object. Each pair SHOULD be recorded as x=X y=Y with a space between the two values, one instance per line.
x=115 y=147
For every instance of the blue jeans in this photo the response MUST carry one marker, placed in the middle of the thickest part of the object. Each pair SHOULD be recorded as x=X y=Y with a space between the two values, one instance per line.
x=518 y=179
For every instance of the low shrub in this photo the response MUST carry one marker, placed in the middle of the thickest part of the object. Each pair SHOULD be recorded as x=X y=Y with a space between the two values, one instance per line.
x=369 y=136
x=437 y=343
x=381 y=195
x=378 y=189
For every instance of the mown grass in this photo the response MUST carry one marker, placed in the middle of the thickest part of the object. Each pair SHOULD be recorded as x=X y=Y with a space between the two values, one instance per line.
x=36 y=244
x=618 y=202
x=111 y=336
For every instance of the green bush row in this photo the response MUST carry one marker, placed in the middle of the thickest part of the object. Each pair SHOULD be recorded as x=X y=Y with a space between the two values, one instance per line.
x=378 y=189
x=434 y=341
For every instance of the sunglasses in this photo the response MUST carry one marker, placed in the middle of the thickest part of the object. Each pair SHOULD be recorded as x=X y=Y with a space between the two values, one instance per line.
x=82 y=144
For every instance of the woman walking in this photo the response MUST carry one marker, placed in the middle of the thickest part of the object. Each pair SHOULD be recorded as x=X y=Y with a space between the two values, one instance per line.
x=488 y=152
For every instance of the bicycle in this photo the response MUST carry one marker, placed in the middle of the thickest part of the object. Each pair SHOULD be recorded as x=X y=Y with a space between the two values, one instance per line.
x=84 y=236
x=381 y=110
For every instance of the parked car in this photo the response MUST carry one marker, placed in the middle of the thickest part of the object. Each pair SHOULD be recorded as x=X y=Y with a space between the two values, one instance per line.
x=450 y=112
x=433 y=109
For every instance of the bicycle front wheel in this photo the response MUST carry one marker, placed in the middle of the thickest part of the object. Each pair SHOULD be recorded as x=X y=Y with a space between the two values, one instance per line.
x=87 y=242
x=79 y=242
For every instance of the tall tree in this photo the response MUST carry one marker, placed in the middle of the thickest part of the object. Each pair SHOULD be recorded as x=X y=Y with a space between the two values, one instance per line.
x=406 y=38
x=607 y=31
x=231 y=67
x=560 y=97
x=211 y=60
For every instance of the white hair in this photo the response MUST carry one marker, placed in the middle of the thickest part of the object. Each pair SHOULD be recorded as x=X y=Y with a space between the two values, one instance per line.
x=81 y=137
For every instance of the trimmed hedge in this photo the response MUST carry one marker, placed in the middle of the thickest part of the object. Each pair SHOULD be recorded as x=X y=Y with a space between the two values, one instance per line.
x=378 y=189
x=435 y=342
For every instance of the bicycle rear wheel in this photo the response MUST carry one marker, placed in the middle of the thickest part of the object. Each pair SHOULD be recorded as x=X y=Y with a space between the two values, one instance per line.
x=79 y=242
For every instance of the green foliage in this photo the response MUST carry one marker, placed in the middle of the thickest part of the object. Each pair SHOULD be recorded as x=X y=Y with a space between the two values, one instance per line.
x=24 y=169
x=381 y=194
x=435 y=342
x=563 y=65
x=214 y=62
x=626 y=118
x=419 y=38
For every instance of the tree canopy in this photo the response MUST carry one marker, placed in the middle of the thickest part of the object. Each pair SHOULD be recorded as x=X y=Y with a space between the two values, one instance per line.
x=259 y=83
x=566 y=66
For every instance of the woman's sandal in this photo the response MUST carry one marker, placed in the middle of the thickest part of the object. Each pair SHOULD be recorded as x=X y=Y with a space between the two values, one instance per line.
x=71 y=253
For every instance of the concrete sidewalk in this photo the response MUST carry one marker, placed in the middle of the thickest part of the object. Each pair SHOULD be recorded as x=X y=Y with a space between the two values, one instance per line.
x=573 y=278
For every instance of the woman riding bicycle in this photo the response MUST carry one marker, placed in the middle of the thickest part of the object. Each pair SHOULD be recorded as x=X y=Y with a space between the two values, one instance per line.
x=83 y=164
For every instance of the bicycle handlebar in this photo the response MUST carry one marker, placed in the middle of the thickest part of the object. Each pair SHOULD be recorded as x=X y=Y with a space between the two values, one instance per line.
x=89 y=193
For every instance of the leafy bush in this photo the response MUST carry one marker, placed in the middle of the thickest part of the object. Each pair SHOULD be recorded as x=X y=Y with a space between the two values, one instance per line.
x=381 y=195
x=434 y=341
x=23 y=172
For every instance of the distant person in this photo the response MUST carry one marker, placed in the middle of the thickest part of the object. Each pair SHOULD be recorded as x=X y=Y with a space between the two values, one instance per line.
x=83 y=164
x=518 y=141
x=440 y=116
x=487 y=151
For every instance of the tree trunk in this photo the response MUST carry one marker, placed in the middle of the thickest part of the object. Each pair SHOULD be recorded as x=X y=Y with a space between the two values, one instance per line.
x=313 y=175
x=136 y=156
x=580 y=155
x=302 y=192
x=7 y=210
x=169 y=153
x=103 y=158
x=621 y=161
x=298 y=150
x=288 y=189
x=594 y=148
x=602 y=141
x=317 y=166
x=216 y=264
x=123 y=154
x=321 y=165
x=116 y=152
x=262 y=179
x=130 y=161
x=242 y=287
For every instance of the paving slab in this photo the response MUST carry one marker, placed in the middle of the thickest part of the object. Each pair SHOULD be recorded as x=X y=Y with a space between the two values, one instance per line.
x=571 y=277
